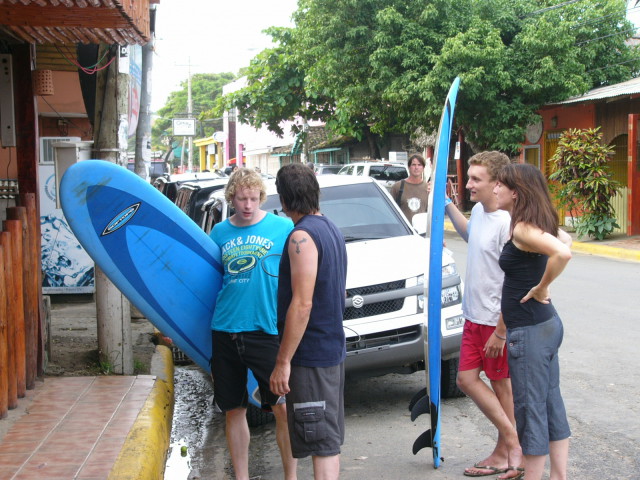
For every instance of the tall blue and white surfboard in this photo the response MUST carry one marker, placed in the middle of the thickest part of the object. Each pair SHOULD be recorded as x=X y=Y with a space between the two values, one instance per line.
x=429 y=399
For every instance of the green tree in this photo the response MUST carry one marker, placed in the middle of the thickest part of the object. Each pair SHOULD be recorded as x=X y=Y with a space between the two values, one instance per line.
x=205 y=89
x=586 y=188
x=378 y=66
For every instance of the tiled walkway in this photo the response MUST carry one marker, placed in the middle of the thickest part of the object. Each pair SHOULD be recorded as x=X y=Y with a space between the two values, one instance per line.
x=74 y=428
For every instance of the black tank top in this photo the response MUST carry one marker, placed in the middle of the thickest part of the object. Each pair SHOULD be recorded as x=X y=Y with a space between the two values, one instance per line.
x=522 y=271
x=323 y=343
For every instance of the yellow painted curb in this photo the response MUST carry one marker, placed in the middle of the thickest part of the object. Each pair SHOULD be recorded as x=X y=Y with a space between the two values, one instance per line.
x=588 y=248
x=606 y=251
x=144 y=453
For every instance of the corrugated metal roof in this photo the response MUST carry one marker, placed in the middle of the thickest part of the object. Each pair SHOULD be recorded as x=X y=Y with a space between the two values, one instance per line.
x=624 y=89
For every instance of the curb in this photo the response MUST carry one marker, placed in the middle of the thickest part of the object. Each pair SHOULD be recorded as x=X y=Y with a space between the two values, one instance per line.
x=144 y=453
x=606 y=251
x=588 y=248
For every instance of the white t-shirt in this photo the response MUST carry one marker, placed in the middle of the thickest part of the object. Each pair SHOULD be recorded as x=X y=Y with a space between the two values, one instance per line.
x=487 y=233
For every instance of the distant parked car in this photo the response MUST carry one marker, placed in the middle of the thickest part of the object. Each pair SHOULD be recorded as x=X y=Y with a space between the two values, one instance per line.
x=156 y=169
x=327 y=169
x=192 y=196
x=387 y=173
x=169 y=184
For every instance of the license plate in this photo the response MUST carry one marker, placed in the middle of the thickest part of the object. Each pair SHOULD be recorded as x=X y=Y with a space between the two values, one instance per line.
x=450 y=296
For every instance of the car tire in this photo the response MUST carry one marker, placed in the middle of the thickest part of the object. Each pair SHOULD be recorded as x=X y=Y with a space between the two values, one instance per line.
x=449 y=387
x=256 y=416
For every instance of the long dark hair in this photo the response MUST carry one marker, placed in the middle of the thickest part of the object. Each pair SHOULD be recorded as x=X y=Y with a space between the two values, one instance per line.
x=298 y=188
x=532 y=203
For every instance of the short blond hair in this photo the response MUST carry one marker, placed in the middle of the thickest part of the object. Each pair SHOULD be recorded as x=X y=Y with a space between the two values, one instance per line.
x=245 y=178
x=494 y=161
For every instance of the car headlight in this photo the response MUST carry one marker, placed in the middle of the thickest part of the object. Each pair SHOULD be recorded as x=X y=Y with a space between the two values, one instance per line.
x=420 y=280
x=448 y=270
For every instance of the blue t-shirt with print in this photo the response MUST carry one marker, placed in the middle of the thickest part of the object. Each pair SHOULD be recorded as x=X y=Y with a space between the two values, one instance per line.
x=251 y=256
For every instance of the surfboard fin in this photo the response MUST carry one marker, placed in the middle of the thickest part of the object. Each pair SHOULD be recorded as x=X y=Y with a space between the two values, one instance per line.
x=419 y=394
x=420 y=407
x=423 y=441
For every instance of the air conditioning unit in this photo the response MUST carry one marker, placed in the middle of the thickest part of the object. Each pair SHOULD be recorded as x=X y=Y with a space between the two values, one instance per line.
x=47 y=156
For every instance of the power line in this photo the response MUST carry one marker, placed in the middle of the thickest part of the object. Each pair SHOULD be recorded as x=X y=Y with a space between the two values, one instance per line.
x=603 y=17
x=612 y=65
x=553 y=7
x=607 y=36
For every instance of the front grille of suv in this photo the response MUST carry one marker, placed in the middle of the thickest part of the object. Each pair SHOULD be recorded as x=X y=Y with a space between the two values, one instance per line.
x=383 y=339
x=369 y=310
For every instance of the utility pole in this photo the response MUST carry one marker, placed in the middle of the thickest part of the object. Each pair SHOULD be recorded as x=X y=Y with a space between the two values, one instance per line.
x=143 y=130
x=113 y=310
x=190 y=115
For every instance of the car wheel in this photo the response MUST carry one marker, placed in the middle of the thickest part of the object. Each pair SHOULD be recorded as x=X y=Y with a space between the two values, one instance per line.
x=256 y=416
x=449 y=373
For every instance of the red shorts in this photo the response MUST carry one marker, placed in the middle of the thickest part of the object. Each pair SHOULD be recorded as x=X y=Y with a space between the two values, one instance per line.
x=474 y=338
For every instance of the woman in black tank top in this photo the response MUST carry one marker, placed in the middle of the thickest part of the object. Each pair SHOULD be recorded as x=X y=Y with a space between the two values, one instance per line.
x=533 y=258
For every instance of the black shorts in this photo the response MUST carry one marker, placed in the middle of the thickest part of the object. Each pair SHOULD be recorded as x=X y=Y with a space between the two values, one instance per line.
x=315 y=410
x=233 y=354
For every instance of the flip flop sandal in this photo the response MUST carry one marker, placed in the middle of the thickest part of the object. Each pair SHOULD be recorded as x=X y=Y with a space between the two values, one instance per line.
x=519 y=476
x=493 y=471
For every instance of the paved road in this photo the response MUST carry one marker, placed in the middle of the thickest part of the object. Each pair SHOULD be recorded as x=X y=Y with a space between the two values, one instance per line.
x=598 y=301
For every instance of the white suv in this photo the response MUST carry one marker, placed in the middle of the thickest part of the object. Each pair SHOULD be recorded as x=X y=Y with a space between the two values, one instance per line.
x=384 y=316
x=387 y=173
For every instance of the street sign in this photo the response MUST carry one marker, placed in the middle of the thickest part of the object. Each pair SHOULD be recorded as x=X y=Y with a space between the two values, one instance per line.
x=184 y=127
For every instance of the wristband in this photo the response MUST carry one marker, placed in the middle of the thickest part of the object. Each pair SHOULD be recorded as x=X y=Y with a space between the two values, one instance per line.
x=501 y=338
x=447 y=201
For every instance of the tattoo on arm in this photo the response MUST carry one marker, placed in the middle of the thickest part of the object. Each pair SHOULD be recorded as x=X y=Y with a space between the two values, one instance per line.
x=297 y=244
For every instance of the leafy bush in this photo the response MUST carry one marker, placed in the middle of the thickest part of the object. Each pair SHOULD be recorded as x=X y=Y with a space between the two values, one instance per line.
x=585 y=186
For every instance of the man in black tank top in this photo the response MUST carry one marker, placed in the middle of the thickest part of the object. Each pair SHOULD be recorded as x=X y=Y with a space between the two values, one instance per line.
x=311 y=299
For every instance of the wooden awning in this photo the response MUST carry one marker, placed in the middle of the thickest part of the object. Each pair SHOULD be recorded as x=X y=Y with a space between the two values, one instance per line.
x=76 y=21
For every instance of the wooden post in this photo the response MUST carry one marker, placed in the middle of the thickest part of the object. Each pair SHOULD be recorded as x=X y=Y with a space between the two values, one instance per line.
x=14 y=227
x=35 y=277
x=30 y=295
x=27 y=138
x=12 y=386
x=112 y=308
x=4 y=356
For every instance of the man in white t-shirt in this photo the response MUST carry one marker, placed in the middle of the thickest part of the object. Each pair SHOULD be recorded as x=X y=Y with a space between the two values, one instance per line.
x=484 y=334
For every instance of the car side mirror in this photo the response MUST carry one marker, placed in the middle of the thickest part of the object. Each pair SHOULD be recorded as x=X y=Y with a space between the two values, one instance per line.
x=419 y=222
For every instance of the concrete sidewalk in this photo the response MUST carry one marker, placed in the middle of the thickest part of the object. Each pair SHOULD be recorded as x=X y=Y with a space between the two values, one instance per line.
x=118 y=427
x=91 y=427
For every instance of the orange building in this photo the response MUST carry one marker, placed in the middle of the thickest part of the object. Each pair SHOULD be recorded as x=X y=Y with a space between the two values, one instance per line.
x=616 y=110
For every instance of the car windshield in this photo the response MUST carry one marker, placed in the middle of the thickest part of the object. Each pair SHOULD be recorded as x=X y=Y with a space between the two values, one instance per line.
x=329 y=169
x=386 y=172
x=360 y=211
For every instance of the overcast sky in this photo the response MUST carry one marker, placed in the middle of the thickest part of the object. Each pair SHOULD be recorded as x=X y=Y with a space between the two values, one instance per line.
x=213 y=36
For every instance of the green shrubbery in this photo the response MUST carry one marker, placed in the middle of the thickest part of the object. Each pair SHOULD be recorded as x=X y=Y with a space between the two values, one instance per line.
x=585 y=188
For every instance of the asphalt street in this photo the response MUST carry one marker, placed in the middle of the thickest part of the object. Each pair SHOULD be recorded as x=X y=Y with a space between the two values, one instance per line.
x=600 y=310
